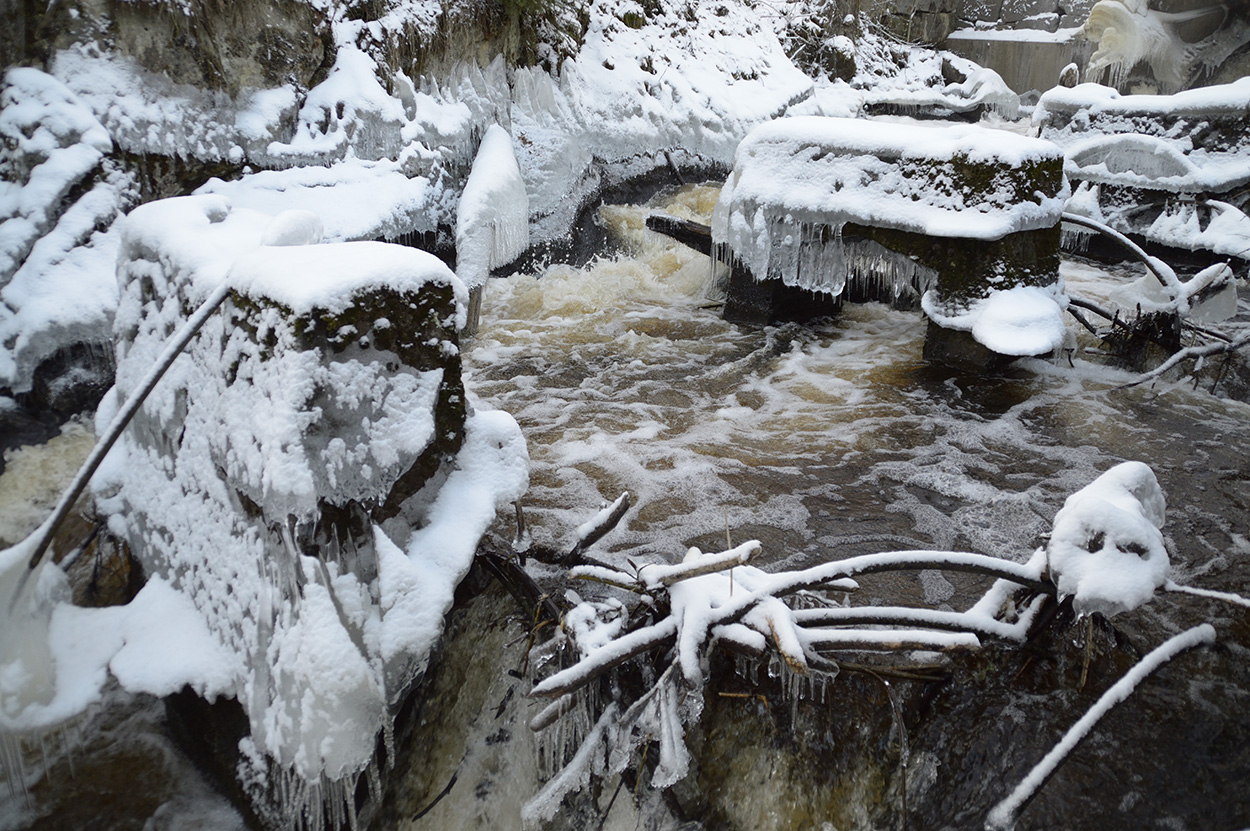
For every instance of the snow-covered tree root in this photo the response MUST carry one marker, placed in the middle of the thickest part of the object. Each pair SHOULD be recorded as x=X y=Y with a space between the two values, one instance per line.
x=1003 y=816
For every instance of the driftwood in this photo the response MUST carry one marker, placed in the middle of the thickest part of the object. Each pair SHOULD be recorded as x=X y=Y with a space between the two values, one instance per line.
x=693 y=234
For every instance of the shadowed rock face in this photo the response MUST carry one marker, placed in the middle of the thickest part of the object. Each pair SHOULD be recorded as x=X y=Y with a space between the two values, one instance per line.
x=213 y=46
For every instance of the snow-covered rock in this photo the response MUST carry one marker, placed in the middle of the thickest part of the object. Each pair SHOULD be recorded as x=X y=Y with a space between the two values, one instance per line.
x=319 y=414
x=1166 y=167
x=56 y=247
x=1106 y=548
x=972 y=212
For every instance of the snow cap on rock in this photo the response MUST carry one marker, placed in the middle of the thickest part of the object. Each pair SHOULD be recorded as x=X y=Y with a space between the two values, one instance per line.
x=1106 y=549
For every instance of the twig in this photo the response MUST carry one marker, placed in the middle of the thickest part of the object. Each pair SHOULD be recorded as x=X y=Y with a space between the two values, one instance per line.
x=924 y=618
x=438 y=798
x=1227 y=597
x=1188 y=353
x=626 y=647
x=1089 y=652
x=596 y=527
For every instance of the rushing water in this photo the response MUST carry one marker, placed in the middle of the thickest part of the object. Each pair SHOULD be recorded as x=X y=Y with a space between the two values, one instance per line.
x=821 y=440
x=836 y=439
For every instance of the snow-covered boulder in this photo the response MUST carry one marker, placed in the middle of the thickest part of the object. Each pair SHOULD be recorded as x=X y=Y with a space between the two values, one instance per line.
x=1170 y=168
x=954 y=212
x=59 y=195
x=1106 y=548
x=319 y=415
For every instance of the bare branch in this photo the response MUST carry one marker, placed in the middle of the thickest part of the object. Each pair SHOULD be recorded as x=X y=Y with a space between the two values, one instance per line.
x=1191 y=353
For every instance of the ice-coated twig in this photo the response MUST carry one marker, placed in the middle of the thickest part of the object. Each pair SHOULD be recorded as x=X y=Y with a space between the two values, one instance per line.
x=607 y=576
x=893 y=640
x=926 y=618
x=1027 y=575
x=550 y=714
x=1024 y=574
x=1227 y=597
x=1192 y=353
x=606 y=657
x=1003 y=815
x=702 y=609
x=572 y=776
x=114 y=430
x=653 y=577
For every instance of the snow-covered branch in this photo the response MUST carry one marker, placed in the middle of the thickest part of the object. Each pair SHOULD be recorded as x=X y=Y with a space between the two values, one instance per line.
x=1191 y=353
x=1003 y=816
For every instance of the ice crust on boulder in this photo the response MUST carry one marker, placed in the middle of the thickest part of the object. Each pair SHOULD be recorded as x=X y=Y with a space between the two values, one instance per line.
x=797 y=181
x=1106 y=548
x=1149 y=140
x=56 y=255
x=354 y=199
x=218 y=479
x=1189 y=152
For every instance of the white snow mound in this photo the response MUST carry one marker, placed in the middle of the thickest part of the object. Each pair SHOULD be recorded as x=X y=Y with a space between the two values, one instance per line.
x=1106 y=548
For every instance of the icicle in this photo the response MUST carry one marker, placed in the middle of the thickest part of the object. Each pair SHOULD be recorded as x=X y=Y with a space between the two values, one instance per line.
x=1075 y=240
x=793 y=694
x=375 y=782
x=14 y=769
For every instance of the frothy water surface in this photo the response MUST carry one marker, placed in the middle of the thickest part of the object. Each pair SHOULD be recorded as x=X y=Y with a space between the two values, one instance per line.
x=821 y=439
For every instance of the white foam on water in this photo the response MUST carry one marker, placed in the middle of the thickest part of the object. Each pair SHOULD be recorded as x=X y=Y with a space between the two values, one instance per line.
x=823 y=436
x=33 y=479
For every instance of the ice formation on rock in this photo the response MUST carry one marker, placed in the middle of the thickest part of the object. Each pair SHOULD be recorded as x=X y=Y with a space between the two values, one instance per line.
x=492 y=219
x=1020 y=321
x=1130 y=34
x=1168 y=167
x=59 y=194
x=801 y=185
x=830 y=171
x=317 y=416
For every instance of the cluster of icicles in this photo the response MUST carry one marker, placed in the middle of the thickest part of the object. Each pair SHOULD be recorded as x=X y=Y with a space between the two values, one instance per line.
x=817 y=257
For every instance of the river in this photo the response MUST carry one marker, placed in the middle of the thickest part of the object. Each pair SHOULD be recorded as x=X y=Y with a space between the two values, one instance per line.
x=818 y=440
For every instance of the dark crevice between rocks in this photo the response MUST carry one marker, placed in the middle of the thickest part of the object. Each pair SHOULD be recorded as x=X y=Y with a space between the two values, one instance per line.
x=588 y=237
x=69 y=383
